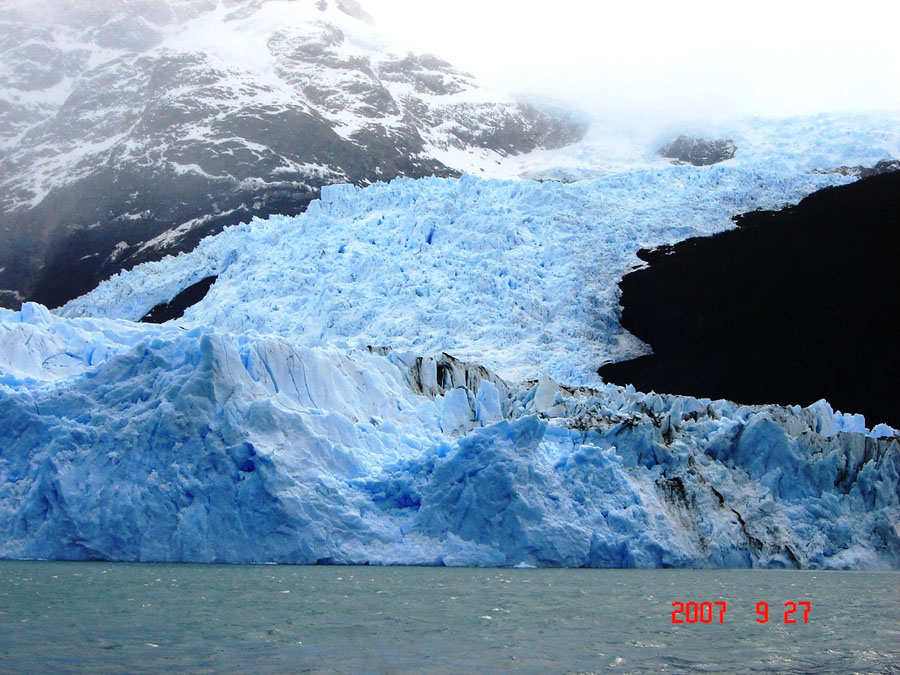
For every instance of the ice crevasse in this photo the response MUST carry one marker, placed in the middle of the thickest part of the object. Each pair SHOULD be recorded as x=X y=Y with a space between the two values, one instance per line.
x=519 y=276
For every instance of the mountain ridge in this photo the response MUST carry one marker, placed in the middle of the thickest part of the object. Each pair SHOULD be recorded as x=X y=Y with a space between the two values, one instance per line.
x=133 y=129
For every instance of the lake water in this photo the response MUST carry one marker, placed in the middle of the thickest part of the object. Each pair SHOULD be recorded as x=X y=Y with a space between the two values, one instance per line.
x=100 y=617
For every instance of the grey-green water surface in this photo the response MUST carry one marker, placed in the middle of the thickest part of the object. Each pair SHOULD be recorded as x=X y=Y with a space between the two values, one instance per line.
x=100 y=617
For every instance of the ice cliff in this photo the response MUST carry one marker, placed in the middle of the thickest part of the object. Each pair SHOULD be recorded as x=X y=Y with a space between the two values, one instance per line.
x=129 y=442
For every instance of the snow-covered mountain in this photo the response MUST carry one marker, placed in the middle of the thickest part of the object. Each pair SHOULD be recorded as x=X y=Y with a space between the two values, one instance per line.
x=132 y=128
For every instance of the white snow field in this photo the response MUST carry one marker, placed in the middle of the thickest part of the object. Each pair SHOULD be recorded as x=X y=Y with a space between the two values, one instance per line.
x=308 y=409
x=791 y=145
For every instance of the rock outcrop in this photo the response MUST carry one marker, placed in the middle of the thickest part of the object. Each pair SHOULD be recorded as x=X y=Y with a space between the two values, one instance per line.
x=698 y=151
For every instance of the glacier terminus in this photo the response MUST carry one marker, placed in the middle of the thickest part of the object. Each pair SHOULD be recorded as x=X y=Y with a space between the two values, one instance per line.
x=406 y=374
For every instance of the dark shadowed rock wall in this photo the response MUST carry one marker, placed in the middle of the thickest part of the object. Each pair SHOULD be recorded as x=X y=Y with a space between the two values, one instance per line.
x=791 y=307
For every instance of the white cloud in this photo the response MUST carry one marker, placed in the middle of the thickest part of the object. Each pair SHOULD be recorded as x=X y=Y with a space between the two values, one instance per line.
x=693 y=58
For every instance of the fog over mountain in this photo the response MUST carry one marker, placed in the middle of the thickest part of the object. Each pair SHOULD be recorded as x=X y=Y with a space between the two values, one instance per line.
x=132 y=129
x=654 y=63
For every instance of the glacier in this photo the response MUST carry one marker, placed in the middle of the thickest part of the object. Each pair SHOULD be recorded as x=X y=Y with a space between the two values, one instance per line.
x=520 y=276
x=158 y=443
x=406 y=374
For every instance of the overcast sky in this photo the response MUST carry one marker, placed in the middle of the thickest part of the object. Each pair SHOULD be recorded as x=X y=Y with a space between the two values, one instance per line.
x=687 y=59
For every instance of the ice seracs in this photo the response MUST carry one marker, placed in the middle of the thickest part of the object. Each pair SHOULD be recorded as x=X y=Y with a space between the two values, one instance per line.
x=198 y=445
x=519 y=276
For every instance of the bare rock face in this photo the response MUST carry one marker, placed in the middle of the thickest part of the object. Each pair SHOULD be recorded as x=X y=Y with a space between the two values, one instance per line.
x=698 y=151
x=130 y=130
x=884 y=166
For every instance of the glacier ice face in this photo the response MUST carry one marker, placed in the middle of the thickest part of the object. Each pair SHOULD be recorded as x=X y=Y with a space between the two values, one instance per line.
x=200 y=445
x=519 y=276
x=307 y=409
x=36 y=348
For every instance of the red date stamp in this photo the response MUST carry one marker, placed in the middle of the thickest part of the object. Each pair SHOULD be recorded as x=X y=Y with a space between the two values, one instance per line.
x=714 y=612
x=692 y=612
